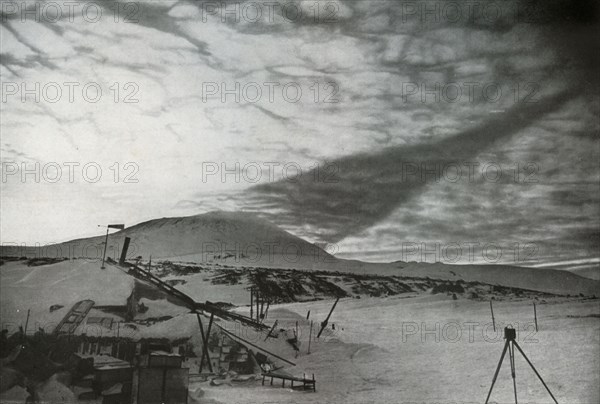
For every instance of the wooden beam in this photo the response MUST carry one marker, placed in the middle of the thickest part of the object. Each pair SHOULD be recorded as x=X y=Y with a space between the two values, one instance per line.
x=193 y=305
x=205 y=342
x=210 y=323
x=310 y=335
x=267 y=309
x=252 y=303
x=324 y=323
x=271 y=330
x=257 y=297
x=262 y=306
x=493 y=319
x=255 y=346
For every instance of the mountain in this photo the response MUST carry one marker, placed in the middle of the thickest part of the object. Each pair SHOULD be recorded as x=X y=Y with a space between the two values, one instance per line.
x=223 y=237
x=591 y=272
x=243 y=240
x=540 y=279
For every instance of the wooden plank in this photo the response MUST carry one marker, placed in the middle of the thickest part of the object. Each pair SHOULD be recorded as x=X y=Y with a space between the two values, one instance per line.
x=311 y=383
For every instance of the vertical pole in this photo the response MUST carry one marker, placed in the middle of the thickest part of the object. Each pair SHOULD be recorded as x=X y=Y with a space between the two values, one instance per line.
x=204 y=342
x=535 y=316
x=210 y=322
x=267 y=309
x=205 y=339
x=296 y=329
x=262 y=306
x=252 y=303
x=308 y=315
x=118 y=327
x=105 y=245
x=310 y=335
x=257 y=297
x=26 y=323
x=493 y=320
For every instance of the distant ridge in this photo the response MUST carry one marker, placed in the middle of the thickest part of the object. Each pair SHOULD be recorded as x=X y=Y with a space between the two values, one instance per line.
x=243 y=240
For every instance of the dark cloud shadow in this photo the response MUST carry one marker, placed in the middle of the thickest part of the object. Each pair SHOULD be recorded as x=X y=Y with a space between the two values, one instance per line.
x=361 y=190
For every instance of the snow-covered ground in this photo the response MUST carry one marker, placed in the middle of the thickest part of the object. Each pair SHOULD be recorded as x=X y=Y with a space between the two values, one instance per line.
x=36 y=288
x=411 y=348
x=418 y=350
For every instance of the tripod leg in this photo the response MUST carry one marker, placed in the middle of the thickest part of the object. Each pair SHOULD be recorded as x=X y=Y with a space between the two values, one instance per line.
x=496 y=374
x=511 y=355
x=535 y=370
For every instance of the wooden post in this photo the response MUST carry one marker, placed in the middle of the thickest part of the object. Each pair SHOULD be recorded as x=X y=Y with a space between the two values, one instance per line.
x=118 y=328
x=257 y=297
x=535 y=316
x=493 y=320
x=308 y=315
x=210 y=322
x=310 y=335
x=205 y=342
x=26 y=322
x=262 y=306
x=296 y=329
x=324 y=323
x=251 y=303
x=105 y=246
x=267 y=309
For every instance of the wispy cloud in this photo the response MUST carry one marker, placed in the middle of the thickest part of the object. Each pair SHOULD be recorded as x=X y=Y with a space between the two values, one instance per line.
x=369 y=58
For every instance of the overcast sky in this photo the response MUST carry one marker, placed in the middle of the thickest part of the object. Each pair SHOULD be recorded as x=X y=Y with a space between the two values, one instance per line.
x=378 y=125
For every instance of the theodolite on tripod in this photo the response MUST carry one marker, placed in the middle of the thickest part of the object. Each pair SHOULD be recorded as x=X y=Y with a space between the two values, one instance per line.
x=510 y=335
